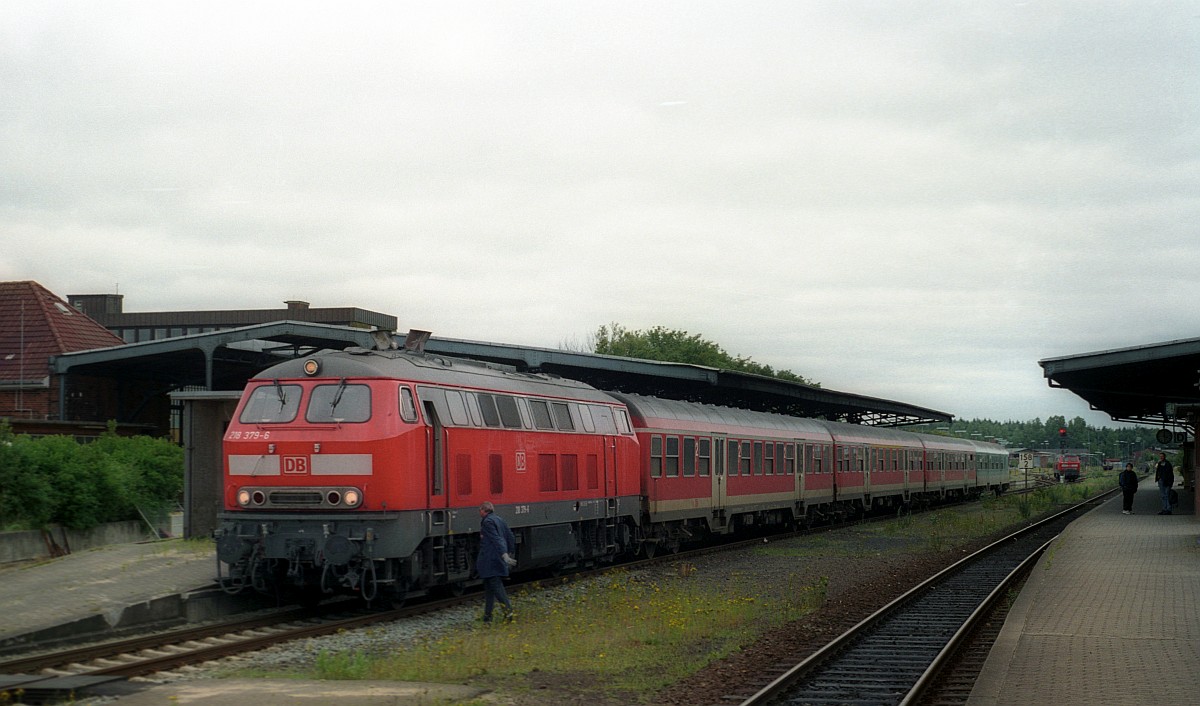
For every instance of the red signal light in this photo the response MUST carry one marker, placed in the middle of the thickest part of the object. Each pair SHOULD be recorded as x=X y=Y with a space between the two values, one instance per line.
x=1062 y=431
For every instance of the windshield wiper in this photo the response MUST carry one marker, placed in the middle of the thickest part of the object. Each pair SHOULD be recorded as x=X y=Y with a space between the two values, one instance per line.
x=338 y=397
x=279 y=391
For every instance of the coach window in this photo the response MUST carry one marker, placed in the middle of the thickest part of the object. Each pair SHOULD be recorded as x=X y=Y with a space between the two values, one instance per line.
x=473 y=408
x=509 y=416
x=704 y=460
x=731 y=457
x=769 y=458
x=458 y=408
x=603 y=418
x=671 y=456
x=789 y=459
x=487 y=407
x=408 y=410
x=623 y=424
x=656 y=456
x=585 y=416
x=689 y=456
x=744 y=465
x=523 y=408
x=541 y=414
x=562 y=416
x=339 y=403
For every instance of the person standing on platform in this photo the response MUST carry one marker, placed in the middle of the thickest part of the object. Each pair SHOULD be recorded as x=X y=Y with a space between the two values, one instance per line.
x=496 y=548
x=1128 y=481
x=1164 y=475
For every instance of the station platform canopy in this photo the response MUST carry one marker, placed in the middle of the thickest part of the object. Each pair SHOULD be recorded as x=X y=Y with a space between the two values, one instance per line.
x=1154 y=383
x=695 y=383
x=219 y=360
x=226 y=359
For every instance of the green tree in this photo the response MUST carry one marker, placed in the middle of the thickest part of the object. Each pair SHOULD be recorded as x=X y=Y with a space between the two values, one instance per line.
x=675 y=346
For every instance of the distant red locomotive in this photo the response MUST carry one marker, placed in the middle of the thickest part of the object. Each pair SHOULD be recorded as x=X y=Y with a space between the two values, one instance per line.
x=361 y=470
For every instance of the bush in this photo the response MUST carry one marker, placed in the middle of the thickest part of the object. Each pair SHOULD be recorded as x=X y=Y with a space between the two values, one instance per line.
x=26 y=497
x=54 y=479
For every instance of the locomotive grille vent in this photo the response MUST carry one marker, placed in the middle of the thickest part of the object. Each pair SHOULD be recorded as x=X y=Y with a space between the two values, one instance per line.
x=295 y=498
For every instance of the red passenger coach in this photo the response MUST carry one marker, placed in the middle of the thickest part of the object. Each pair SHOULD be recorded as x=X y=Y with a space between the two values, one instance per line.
x=363 y=470
x=714 y=470
x=876 y=467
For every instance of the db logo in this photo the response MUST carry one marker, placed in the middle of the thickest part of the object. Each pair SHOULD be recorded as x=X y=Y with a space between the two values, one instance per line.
x=295 y=464
x=520 y=461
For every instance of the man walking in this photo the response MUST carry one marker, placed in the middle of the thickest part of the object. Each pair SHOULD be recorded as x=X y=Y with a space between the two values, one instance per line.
x=1164 y=475
x=496 y=548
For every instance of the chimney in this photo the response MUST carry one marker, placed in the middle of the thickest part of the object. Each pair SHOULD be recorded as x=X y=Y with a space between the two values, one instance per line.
x=296 y=305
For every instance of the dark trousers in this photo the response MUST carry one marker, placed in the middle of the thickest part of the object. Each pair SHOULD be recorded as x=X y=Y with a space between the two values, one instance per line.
x=1128 y=498
x=493 y=590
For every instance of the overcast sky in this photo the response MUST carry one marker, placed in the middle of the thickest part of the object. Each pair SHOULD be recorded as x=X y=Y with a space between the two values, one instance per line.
x=908 y=200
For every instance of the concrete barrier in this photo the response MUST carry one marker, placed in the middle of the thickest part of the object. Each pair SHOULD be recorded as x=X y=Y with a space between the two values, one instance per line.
x=56 y=541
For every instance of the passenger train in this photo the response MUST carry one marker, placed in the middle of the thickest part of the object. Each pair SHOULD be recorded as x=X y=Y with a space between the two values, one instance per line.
x=361 y=471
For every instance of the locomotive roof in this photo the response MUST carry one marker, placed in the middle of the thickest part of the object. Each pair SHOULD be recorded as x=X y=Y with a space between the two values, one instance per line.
x=433 y=369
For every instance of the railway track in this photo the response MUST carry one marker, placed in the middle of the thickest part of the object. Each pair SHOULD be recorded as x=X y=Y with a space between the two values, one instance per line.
x=918 y=649
x=99 y=668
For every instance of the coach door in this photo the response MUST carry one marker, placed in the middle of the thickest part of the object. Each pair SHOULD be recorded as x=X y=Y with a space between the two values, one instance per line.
x=719 y=491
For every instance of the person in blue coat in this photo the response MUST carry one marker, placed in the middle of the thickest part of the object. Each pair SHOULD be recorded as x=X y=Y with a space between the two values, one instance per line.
x=496 y=549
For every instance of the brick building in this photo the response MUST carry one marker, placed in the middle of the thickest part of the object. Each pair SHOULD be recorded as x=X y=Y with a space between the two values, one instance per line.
x=35 y=324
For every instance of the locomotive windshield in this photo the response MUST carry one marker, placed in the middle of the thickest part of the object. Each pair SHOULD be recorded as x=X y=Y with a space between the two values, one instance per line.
x=271 y=404
x=339 y=403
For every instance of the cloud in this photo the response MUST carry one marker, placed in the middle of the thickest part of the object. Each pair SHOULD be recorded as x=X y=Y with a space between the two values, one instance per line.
x=909 y=200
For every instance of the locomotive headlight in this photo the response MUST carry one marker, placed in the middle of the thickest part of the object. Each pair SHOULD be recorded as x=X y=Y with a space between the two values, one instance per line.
x=311 y=367
x=352 y=497
x=243 y=497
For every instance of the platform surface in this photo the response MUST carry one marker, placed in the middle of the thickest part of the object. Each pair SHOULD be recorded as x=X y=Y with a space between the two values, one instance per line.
x=1110 y=614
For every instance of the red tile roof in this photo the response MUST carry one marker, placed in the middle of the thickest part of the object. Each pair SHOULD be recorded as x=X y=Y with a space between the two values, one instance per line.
x=36 y=324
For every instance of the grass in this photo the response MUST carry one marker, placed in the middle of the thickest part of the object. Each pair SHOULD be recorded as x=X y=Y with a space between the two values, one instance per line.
x=622 y=635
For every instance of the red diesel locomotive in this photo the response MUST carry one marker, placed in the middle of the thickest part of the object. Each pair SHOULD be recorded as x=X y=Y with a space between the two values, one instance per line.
x=360 y=471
